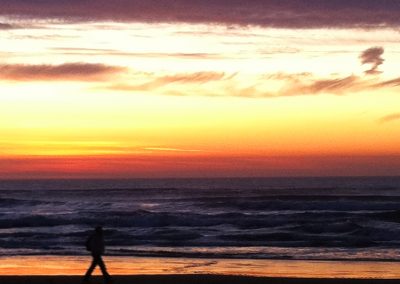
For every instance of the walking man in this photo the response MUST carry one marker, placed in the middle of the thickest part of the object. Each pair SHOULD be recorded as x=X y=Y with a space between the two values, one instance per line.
x=95 y=244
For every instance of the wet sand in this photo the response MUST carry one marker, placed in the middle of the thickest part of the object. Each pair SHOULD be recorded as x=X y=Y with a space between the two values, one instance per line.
x=29 y=266
x=187 y=279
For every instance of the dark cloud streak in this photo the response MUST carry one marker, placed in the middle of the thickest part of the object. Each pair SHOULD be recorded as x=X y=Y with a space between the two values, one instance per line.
x=271 y=13
x=67 y=71
x=4 y=26
x=333 y=86
x=372 y=56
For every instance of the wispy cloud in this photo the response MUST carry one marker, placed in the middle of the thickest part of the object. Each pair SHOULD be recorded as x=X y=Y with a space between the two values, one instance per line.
x=67 y=71
x=265 y=86
x=372 y=56
x=5 y=26
x=388 y=83
x=390 y=118
x=152 y=81
x=308 y=84
x=272 y=13
x=163 y=149
x=113 y=52
x=197 y=77
x=335 y=86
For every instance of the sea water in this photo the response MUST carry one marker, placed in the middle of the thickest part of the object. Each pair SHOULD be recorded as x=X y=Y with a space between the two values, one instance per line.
x=347 y=219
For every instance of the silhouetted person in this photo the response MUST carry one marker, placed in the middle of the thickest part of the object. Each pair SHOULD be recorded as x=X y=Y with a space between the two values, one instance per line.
x=95 y=244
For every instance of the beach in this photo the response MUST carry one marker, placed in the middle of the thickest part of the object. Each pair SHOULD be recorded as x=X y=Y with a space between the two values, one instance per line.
x=187 y=279
x=69 y=269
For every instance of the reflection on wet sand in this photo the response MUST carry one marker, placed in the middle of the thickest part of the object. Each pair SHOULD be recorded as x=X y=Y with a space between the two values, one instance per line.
x=71 y=265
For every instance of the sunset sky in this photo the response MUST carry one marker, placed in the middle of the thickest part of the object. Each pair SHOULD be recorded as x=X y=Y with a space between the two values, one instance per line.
x=210 y=88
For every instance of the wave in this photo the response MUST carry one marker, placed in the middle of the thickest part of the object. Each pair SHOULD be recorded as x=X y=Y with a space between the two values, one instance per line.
x=43 y=231
x=219 y=218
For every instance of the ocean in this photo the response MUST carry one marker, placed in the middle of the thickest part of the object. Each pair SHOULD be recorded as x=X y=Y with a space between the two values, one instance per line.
x=350 y=219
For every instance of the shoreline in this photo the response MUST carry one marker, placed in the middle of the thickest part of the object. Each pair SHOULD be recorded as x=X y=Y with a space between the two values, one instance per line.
x=200 y=258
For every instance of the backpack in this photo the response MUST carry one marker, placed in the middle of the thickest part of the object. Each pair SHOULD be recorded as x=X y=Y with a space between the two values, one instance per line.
x=88 y=244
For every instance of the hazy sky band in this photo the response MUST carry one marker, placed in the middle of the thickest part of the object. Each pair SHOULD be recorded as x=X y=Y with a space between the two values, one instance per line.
x=271 y=13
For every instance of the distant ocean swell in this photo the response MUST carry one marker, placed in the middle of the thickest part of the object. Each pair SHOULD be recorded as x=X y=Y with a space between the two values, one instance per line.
x=355 y=219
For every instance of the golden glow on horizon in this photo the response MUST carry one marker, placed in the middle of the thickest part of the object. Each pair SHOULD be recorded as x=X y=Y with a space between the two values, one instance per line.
x=148 y=89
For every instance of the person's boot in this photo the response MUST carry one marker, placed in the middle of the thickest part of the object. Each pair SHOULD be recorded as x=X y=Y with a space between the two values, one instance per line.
x=108 y=280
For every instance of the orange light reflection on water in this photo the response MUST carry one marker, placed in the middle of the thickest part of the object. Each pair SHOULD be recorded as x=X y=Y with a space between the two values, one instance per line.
x=71 y=265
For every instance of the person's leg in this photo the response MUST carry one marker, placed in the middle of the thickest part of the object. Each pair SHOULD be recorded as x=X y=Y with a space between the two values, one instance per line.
x=103 y=269
x=91 y=268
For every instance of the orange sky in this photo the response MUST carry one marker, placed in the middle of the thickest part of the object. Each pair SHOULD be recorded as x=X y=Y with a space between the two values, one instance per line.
x=121 y=98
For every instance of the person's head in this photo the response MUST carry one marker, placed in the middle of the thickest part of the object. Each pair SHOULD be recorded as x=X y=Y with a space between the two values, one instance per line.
x=99 y=230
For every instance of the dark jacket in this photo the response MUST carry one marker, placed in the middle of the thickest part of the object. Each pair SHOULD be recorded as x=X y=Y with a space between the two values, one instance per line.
x=95 y=244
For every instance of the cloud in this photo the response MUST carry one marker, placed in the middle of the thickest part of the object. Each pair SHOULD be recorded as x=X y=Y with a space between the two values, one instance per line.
x=372 y=56
x=218 y=84
x=317 y=86
x=271 y=13
x=4 y=26
x=389 y=118
x=67 y=71
x=154 y=82
x=388 y=83
x=114 y=52
x=308 y=84
x=197 y=77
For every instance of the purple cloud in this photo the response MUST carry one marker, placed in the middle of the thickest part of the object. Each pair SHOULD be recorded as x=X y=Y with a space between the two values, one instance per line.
x=4 y=26
x=271 y=13
x=332 y=86
x=67 y=71
x=372 y=56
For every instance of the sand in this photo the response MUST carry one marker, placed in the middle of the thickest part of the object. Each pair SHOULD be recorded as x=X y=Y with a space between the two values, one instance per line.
x=135 y=270
x=77 y=265
x=186 y=279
